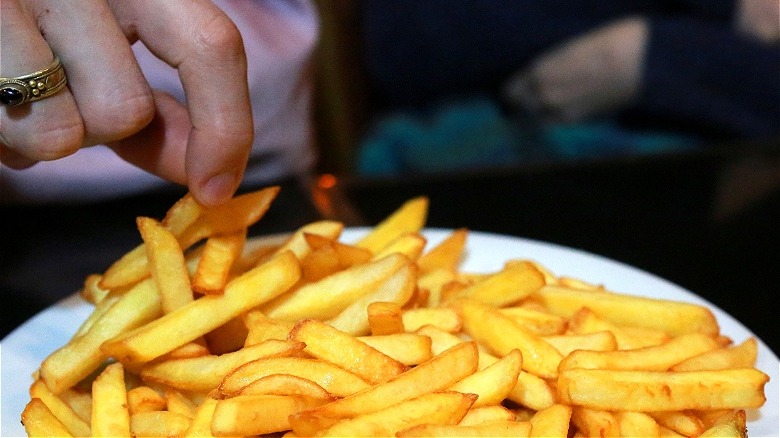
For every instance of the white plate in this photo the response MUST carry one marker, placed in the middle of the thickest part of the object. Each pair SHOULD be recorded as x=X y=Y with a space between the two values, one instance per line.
x=22 y=351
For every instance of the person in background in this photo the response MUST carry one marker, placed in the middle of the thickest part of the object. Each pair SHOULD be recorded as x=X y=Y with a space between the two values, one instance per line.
x=162 y=97
x=627 y=73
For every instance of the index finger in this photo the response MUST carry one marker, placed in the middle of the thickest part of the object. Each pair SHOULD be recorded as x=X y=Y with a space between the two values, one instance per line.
x=206 y=47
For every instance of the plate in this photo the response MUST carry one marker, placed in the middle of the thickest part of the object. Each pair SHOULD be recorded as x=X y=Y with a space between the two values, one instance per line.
x=22 y=351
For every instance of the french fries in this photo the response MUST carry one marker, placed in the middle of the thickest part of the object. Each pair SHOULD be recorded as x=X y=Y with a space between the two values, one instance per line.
x=201 y=331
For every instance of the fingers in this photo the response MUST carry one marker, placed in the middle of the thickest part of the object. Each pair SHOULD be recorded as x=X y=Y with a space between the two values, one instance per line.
x=44 y=130
x=207 y=49
x=112 y=95
x=161 y=147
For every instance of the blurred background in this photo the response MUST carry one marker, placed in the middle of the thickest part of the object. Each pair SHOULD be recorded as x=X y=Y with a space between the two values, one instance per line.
x=647 y=131
x=644 y=131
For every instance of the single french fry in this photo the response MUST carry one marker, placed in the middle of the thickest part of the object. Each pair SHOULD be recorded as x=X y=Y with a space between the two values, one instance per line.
x=396 y=289
x=206 y=313
x=551 y=422
x=407 y=348
x=219 y=254
x=179 y=403
x=110 y=414
x=238 y=213
x=595 y=341
x=501 y=335
x=540 y=323
x=672 y=317
x=743 y=355
x=446 y=255
x=585 y=321
x=61 y=410
x=434 y=375
x=655 y=358
x=444 y=408
x=492 y=429
x=335 y=380
x=145 y=399
x=733 y=426
x=159 y=423
x=334 y=346
x=200 y=426
x=39 y=421
x=91 y=292
x=261 y=328
x=410 y=245
x=683 y=422
x=245 y=415
x=286 y=384
x=408 y=218
x=166 y=264
x=206 y=372
x=434 y=281
x=297 y=242
x=442 y=317
x=532 y=391
x=508 y=286
x=637 y=424
x=80 y=401
x=384 y=318
x=494 y=383
x=593 y=422
x=487 y=414
x=647 y=391
x=328 y=297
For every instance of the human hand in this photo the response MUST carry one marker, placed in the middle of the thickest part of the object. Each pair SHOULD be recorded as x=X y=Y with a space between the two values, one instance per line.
x=204 y=144
x=759 y=18
x=591 y=74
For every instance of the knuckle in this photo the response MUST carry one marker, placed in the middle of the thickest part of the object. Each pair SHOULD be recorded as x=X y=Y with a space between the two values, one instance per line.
x=219 y=34
x=54 y=142
x=120 y=114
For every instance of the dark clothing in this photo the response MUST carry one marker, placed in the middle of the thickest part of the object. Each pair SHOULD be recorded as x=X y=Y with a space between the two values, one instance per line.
x=700 y=75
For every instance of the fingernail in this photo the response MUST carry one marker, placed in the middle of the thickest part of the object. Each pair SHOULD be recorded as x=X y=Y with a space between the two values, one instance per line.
x=218 y=188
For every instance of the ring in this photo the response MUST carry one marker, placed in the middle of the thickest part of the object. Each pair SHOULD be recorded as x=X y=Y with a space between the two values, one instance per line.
x=35 y=86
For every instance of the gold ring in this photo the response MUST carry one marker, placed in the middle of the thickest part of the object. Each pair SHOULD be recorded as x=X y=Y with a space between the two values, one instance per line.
x=34 y=86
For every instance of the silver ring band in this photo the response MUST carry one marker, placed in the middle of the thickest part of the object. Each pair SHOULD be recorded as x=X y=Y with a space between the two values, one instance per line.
x=34 y=86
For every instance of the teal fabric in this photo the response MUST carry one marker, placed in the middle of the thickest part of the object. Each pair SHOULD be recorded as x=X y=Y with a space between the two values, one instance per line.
x=474 y=133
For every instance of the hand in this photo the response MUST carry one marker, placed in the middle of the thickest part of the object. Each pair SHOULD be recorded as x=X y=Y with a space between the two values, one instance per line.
x=204 y=144
x=759 y=19
x=592 y=74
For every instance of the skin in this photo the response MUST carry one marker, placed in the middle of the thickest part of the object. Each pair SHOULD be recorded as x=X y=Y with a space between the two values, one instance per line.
x=204 y=144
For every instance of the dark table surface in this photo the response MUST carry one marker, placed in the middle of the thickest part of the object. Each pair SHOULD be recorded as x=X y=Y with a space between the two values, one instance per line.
x=705 y=221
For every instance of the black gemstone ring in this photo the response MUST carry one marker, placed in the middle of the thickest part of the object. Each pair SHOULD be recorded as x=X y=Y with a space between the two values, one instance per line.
x=35 y=86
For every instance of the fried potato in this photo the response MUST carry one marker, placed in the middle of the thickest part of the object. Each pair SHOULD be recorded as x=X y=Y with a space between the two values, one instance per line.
x=649 y=391
x=39 y=421
x=199 y=331
x=332 y=345
x=207 y=313
x=672 y=317
x=110 y=413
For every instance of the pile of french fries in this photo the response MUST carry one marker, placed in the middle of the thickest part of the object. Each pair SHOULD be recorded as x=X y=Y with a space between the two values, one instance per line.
x=200 y=331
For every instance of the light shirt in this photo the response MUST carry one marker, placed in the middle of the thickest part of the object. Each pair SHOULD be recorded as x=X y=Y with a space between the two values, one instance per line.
x=279 y=36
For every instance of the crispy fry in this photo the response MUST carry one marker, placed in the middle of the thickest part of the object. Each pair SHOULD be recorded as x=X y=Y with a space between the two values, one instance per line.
x=408 y=218
x=206 y=372
x=649 y=391
x=207 y=313
x=446 y=255
x=39 y=421
x=216 y=261
x=61 y=410
x=334 y=346
x=110 y=414
x=385 y=318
